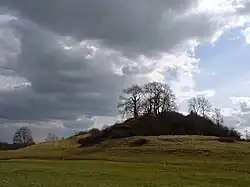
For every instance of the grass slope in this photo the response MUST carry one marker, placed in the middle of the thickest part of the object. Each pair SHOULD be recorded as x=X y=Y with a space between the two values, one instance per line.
x=164 y=161
x=122 y=149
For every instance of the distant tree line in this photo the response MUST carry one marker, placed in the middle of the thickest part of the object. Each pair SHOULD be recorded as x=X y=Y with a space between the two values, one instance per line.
x=23 y=138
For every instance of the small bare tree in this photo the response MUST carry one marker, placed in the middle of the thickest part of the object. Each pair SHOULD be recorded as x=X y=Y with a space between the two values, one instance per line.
x=199 y=105
x=130 y=103
x=218 y=117
x=51 y=137
x=23 y=136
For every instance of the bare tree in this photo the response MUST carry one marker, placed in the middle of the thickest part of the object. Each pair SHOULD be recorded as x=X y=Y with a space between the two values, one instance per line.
x=23 y=136
x=51 y=137
x=199 y=105
x=168 y=100
x=158 y=98
x=131 y=101
x=152 y=92
x=218 y=117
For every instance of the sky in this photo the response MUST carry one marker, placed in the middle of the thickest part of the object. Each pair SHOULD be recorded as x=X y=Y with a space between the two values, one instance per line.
x=64 y=63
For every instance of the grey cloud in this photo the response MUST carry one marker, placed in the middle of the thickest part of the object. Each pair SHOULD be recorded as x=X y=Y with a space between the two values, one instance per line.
x=9 y=49
x=244 y=107
x=231 y=121
x=134 y=27
x=38 y=132
x=40 y=129
x=246 y=8
x=78 y=125
x=64 y=84
x=240 y=117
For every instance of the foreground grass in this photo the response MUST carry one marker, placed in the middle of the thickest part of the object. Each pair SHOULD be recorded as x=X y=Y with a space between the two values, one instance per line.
x=113 y=174
x=164 y=161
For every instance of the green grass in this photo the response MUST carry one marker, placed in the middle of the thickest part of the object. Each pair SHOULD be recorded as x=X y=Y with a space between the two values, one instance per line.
x=121 y=149
x=164 y=161
x=113 y=174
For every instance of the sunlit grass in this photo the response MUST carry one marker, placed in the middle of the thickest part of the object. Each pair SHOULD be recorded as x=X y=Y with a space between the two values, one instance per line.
x=163 y=161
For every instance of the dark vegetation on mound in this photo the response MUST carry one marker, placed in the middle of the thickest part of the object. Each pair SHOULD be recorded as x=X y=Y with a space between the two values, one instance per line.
x=7 y=146
x=168 y=123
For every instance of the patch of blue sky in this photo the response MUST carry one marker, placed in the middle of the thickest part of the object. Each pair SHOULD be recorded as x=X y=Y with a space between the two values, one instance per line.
x=224 y=61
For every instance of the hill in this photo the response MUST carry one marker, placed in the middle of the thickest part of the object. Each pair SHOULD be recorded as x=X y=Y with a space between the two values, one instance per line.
x=143 y=149
x=133 y=161
x=193 y=136
x=167 y=123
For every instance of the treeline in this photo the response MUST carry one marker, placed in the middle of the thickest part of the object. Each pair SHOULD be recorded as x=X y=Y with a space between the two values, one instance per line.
x=6 y=146
x=155 y=98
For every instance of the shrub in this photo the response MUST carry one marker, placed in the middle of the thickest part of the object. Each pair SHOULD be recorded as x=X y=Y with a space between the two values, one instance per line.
x=245 y=140
x=6 y=146
x=94 y=138
x=226 y=139
x=94 y=132
x=139 y=142
x=81 y=133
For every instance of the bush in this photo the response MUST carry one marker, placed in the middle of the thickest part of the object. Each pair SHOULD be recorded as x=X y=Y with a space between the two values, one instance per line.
x=6 y=146
x=94 y=132
x=94 y=138
x=81 y=133
x=139 y=142
x=226 y=139
x=245 y=140
x=3 y=146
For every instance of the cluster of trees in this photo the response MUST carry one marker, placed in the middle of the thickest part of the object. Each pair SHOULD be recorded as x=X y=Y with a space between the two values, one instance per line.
x=23 y=136
x=51 y=137
x=155 y=98
x=152 y=98
x=202 y=107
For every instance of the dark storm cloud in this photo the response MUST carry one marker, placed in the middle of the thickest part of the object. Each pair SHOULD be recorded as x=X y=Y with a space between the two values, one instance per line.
x=134 y=27
x=64 y=83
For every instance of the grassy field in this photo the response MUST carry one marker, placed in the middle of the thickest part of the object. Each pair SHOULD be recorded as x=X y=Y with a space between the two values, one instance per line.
x=164 y=161
x=105 y=173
